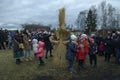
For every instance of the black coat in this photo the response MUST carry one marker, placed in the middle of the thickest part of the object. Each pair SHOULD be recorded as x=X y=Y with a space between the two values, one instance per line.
x=48 y=44
x=2 y=39
x=109 y=45
x=116 y=41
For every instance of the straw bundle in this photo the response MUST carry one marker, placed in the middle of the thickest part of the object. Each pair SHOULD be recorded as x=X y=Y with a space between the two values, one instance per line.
x=60 y=49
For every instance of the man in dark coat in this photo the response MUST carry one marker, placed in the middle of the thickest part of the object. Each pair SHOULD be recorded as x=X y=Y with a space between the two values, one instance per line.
x=116 y=42
x=2 y=40
x=48 y=45
x=108 y=48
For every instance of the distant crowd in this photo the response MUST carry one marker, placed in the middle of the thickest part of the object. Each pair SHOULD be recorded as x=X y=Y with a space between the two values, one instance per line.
x=78 y=47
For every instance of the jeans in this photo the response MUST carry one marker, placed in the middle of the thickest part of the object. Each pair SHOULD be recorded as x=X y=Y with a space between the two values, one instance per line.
x=48 y=50
x=27 y=53
x=70 y=64
x=117 y=55
x=9 y=44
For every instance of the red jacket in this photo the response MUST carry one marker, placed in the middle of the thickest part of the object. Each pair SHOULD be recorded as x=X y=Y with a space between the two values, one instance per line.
x=86 y=46
x=82 y=49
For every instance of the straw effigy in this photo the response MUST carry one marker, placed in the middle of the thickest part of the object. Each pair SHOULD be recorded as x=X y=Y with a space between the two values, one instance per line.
x=61 y=38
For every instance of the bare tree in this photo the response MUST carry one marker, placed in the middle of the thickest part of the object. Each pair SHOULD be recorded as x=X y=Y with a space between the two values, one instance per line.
x=111 y=17
x=81 y=20
x=32 y=27
x=104 y=15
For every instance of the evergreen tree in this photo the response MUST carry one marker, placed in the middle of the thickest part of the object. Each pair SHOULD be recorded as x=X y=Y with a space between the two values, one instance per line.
x=91 y=21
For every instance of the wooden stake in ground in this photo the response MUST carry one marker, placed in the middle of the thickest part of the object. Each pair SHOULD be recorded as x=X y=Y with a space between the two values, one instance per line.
x=61 y=35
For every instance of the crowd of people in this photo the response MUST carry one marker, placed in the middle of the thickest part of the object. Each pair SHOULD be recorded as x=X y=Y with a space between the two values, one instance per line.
x=78 y=46
x=25 y=41
x=82 y=45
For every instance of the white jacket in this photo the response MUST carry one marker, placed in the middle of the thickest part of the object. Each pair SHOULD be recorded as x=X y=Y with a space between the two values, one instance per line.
x=35 y=45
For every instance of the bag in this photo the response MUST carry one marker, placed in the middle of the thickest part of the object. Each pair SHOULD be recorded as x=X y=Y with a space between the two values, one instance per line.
x=21 y=46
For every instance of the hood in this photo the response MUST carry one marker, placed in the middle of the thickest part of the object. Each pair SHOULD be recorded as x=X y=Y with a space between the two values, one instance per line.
x=40 y=44
x=73 y=37
x=35 y=41
x=83 y=36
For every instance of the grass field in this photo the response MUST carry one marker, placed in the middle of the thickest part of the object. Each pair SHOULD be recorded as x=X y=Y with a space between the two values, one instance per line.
x=31 y=71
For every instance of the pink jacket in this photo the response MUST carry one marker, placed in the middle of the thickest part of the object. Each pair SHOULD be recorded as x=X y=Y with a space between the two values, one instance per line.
x=40 y=52
x=101 y=46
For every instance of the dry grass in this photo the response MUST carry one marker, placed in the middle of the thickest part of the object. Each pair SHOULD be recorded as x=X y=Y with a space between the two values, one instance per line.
x=31 y=71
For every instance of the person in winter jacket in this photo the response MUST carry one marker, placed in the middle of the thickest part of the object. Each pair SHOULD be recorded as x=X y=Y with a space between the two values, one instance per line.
x=40 y=52
x=35 y=47
x=82 y=49
x=101 y=48
x=108 y=48
x=85 y=43
x=27 y=48
x=92 y=52
x=71 y=52
x=116 y=41
x=48 y=45
x=17 y=50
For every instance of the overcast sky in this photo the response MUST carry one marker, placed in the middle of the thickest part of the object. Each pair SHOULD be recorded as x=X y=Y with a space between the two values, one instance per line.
x=44 y=11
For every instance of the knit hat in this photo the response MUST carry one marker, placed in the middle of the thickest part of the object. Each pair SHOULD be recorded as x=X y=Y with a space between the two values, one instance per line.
x=91 y=39
x=34 y=41
x=83 y=36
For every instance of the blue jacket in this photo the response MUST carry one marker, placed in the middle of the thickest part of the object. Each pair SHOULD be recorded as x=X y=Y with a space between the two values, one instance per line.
x=71 y=51
x=92 y=49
